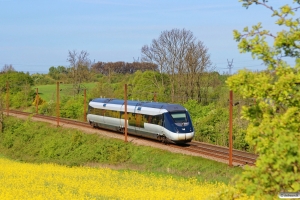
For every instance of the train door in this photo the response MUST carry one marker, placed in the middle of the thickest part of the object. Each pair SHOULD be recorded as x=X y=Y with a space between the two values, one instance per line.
x=139 y=122
x=161 y=123
x=103 y=115
x=122 y=117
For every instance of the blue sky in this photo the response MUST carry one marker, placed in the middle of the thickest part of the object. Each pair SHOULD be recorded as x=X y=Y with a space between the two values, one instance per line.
x=36 y=35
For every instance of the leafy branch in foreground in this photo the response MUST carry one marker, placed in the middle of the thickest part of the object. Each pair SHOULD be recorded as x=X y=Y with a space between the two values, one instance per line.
x=274 y=121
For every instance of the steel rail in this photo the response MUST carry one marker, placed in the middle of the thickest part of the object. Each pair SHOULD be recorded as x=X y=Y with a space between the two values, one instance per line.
x=220 y=155
x=223 y=153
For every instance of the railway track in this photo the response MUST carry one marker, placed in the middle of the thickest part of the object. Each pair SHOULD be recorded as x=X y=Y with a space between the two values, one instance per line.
x=200 y=148
x=52 y=118
x=238 y=157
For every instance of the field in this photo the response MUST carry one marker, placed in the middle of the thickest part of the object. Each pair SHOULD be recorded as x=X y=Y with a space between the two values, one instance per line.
x=48 y=92
x=36 y=181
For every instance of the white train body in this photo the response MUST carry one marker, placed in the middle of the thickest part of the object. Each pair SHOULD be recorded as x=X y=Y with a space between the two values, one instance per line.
x=148 y=119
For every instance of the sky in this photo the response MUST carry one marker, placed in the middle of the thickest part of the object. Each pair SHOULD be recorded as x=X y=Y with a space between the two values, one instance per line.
x=36 y=35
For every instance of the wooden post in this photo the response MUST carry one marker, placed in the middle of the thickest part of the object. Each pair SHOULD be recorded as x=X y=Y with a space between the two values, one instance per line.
x=154 y=96
x=1 y=115
x=7 y=98
x=125 y=104
x=57 y=103
x=84 y=106
x=37 y=100
x=230 y=126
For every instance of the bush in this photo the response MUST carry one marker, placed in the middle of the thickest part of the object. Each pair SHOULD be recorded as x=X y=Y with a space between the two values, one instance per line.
x=48 y=108
x=21 y=99
x=72 y=108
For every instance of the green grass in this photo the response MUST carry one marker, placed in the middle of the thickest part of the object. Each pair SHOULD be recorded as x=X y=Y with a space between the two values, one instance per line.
x=39 y=142
x=48 y=92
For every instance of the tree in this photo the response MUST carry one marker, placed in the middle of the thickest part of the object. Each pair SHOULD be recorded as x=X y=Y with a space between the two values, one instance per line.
x=146 y=86
x=17 y=81
x=122 y=67
x=274 y=121
x=7 y=68
x=178 y=54
x=42 y=79
x=19 y=88
x=79 y=70
x=58 y=73
x=1 y=113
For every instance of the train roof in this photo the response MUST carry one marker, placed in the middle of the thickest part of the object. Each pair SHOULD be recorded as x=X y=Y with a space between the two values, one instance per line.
x=148 y=104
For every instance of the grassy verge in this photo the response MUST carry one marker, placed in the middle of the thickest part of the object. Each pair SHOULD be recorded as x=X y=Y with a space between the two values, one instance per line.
x=38 y=142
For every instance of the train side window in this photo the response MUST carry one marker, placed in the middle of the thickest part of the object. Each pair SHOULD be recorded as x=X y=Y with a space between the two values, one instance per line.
x=91 y=110
x=101 y=112
x=96 y=111
x=157 y=119
x=111 y=113
x=107 y=113
x=129 y=115
x=150 y=119
x=160 y=119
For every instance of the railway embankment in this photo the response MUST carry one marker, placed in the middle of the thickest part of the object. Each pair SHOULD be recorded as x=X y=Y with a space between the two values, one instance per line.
x=39 y=142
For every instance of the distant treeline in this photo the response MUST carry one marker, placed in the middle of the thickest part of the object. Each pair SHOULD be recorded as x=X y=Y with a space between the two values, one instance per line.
x=122 y=67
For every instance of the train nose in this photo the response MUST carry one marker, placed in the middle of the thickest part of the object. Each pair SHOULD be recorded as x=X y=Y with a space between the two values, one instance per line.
x=182 y=136
x=185 y=136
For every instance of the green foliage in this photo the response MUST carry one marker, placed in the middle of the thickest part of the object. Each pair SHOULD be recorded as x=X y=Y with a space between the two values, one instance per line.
x=111 y=86
x=42 y=79
x=150 y=85
x=211 y=124
x=7 y=140
x=274 y=128
x=209 y=127
x=17 y=81
x=48 y=108
x=22 y=99
x=58 y=73
x=17 y=134
x=285 y=42
x=72 y=108
x=37 y=142
x=196 y=110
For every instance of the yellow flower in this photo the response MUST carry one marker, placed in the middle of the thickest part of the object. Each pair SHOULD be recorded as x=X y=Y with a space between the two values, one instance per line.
x=50 y=181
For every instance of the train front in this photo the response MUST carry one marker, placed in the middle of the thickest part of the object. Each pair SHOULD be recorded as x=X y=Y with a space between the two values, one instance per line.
x=178 y=125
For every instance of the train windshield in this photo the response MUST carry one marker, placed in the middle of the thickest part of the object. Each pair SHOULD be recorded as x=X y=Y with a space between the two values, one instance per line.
x=179 y=117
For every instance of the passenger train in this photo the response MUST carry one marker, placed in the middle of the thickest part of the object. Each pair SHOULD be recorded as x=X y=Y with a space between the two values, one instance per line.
x=162 y=121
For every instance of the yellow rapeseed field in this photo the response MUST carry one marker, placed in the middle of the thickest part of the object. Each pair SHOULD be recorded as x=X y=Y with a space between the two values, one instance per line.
x=50 y=181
